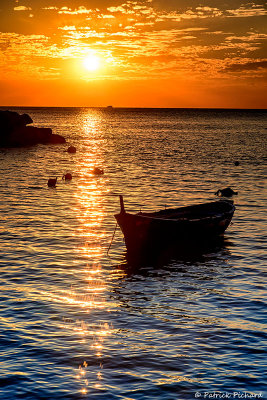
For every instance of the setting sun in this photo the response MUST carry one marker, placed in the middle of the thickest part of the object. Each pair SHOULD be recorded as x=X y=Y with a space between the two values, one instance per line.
x=91 y=63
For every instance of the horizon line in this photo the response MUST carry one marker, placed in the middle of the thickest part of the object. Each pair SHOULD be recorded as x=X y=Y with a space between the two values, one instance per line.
x=136 y=107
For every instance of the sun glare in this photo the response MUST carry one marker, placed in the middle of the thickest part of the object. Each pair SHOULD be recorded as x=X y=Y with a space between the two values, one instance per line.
x=91 y=63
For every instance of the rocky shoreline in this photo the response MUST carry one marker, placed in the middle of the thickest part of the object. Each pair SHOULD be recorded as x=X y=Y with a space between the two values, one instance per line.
x=15 y=132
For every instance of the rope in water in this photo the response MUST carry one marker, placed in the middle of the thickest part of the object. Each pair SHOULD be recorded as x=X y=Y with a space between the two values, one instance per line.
x=112 y=237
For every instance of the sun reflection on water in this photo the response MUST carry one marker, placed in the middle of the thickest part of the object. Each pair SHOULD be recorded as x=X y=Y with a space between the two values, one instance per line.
x=90 y=190
x=93 y=373
x=90 y=212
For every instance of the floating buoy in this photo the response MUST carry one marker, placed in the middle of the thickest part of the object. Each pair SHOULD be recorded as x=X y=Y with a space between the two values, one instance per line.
x=67 y=176
x=71 y=149
x=236 y=163
x=52 y=182
x=98 y=171
x=227 y=192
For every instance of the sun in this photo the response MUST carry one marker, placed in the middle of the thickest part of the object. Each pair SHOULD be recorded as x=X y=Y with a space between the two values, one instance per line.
x=91 y=63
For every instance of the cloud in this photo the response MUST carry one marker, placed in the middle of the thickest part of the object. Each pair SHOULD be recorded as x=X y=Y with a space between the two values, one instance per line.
x=22 y=8
x=190 y=13
x=106 y=16
x=79 y=10
x=50 y=8
x=249 y=37
x=19 y=56
x=247 y=11
x=67 y=28
x=142 y=38
x=120 y=9
x=248 y=66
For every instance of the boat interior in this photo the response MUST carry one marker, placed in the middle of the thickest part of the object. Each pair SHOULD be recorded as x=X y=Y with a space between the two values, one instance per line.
x=193 y=212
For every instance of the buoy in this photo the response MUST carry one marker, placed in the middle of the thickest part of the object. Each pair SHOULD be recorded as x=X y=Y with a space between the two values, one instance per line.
x=52 y=182
x=67 y=176
x=98 y=171
x=227 y=192
x=236 y=163
x=71 y=149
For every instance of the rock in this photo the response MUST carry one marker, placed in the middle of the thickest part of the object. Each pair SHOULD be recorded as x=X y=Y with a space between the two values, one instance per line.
x=56 y=139
x=26 y=119
x=10 y=120
x=30 y=135
x=15 y=133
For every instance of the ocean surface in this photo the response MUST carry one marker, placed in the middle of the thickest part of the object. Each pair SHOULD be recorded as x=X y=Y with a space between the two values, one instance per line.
x=78 y=323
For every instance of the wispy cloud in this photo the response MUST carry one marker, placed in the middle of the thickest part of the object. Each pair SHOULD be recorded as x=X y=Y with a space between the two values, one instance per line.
x=77 y=11
x=140 y=39
x=247 y=66
x=249 y=10
x=50 y=8
x=22 y=8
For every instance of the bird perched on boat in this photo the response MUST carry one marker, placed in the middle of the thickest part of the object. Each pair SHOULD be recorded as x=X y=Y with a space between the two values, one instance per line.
x=227 y=192
x=52 y=182
x=67 y=176
x=98 y=171
x=71 y=149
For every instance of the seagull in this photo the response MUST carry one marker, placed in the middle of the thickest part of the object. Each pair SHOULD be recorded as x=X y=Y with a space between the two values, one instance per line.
x=227 y=192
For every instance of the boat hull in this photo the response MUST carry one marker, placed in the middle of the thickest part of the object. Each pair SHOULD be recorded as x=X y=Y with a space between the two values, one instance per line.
x=149 y=232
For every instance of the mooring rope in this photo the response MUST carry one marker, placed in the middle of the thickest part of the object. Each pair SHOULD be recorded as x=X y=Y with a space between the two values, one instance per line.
x=112 y=238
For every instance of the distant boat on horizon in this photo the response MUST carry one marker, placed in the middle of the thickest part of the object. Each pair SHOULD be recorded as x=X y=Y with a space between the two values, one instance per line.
x=109 y=107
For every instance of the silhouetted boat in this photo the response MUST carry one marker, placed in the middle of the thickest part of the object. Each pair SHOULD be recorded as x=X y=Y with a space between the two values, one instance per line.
x=149 y=231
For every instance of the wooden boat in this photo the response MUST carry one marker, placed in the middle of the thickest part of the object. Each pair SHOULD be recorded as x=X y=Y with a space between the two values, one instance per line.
x=146 y=231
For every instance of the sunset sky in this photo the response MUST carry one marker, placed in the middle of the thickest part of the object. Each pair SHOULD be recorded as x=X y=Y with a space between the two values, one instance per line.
x=148 y=53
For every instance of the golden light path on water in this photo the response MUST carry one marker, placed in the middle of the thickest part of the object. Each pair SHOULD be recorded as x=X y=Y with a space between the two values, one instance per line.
x=89 y=212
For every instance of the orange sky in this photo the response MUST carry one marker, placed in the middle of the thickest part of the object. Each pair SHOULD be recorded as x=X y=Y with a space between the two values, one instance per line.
x=153 y=53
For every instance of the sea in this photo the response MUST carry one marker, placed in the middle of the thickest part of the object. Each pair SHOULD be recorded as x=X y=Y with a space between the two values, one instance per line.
x=77 y=321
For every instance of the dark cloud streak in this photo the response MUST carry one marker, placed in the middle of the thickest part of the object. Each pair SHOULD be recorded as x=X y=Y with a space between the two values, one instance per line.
x=249 y=66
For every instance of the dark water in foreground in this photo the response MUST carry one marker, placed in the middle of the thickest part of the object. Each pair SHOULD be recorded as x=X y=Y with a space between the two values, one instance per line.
x=76 y=323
